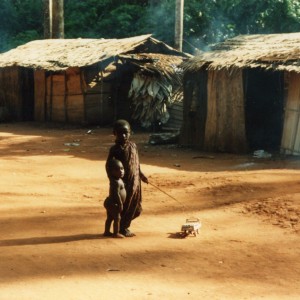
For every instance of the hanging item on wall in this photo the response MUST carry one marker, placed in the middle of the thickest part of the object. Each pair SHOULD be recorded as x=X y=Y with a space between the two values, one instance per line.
x=150 y=98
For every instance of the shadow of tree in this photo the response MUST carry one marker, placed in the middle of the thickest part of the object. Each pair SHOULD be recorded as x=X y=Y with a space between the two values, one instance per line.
x=45 y=138
x=50 y=240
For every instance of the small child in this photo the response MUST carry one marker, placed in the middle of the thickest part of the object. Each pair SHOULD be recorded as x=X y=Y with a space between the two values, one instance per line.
x=127 y=152
x=117 y=195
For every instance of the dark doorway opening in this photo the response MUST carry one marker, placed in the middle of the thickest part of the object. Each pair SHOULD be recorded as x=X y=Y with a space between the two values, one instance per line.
x=123 y=105
x=264 y=92
x=27 y=92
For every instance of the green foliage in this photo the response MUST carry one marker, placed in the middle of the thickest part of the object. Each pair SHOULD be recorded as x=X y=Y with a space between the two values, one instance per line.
x=8 y=19
x=103 y=19
x=21 y=21
x=24 y=37
x=8 y=16
x=205 y=22
x=122 y=21
x=208 y=22
x=29 y=15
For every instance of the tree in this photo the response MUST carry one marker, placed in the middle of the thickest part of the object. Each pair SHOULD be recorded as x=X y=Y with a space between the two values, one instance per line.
x=179 y=10
x=21 y=21
x=8 y=17
x=46 y=10
x=209 y=22
x=205 y=22
x=57 y=19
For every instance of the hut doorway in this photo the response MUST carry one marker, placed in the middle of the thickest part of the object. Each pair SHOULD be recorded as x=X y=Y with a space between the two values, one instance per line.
x=27 y=94
x=264 y=96
x=123 y=107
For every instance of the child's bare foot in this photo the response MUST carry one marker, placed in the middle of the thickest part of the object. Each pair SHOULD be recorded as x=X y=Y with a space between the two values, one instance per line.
x=127 y=233
x=118 y=235
x=107 y=233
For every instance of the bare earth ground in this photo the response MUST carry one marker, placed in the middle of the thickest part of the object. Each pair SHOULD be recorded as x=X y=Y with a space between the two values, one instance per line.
x=52 y=219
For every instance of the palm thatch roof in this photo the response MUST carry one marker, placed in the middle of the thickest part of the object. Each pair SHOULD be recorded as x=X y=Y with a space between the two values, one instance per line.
x=61 y=54
x=155 y=64
x=270 y=51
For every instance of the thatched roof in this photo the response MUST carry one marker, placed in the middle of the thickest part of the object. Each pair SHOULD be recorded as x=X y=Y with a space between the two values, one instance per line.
x=155 y=64
x=60 y=54
x=269 y=51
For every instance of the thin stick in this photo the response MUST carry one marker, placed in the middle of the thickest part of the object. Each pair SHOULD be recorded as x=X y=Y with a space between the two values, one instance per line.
x=166 y=193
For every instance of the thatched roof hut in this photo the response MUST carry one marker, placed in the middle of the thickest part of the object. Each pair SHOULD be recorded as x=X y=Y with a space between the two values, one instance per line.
x=244 y=94
x=75 y=80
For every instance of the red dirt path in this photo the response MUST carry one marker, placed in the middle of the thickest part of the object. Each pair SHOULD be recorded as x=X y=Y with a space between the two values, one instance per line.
x=52 y=219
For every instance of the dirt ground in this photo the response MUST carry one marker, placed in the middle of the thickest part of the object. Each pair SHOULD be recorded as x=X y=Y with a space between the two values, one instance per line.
x=52 y=189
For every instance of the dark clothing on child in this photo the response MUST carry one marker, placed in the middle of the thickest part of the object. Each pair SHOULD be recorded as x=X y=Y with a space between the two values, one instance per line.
x=128 y=155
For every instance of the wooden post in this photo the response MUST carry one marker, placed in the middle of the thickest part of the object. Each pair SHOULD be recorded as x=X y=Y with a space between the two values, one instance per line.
x=82 y=80
x=66 y=98
x=179 y=10
x=51 y=97
x=45 y=98
x=101 y=97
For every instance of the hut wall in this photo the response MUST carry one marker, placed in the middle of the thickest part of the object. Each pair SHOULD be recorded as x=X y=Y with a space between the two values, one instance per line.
x=98 y=98
x=26 y=79
x=10 y=92
x=16 y=93
x=225 y=124
x=290 y=143
x=59 y=96
x=74 y=101
x=176 y=116
x=98 y=104
x=73 y=96
x=39 y=95
x=194 y=109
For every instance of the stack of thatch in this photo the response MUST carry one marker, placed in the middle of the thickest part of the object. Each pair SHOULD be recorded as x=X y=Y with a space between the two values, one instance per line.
x=156 y=84
x=149 y=99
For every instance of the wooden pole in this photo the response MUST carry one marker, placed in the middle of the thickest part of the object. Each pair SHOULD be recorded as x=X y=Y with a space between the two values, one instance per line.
x=179 y=24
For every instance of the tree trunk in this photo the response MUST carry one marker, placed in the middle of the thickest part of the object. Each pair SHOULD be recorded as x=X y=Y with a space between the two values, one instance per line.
x=46 y=10
x=57 y=19
x=179 y=24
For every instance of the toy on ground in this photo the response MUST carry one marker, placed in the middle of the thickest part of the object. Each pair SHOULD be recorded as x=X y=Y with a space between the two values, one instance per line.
x=191 y=226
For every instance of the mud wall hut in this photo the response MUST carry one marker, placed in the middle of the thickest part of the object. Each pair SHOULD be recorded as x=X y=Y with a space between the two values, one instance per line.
x=244 y=95
x=71 y=80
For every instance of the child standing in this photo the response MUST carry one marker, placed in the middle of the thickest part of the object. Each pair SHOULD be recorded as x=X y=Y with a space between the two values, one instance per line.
x=117 y=195
x=127 y=152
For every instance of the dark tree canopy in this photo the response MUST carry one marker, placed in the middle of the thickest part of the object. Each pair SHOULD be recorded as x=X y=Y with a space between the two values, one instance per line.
x=205 y=22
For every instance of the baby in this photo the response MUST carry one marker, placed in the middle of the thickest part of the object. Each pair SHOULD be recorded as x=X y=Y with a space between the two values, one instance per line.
x=117 y=195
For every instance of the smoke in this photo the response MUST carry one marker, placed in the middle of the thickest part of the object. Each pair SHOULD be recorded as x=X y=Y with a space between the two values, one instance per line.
x=202 y=26
x=204 y=30
x=160 y=20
